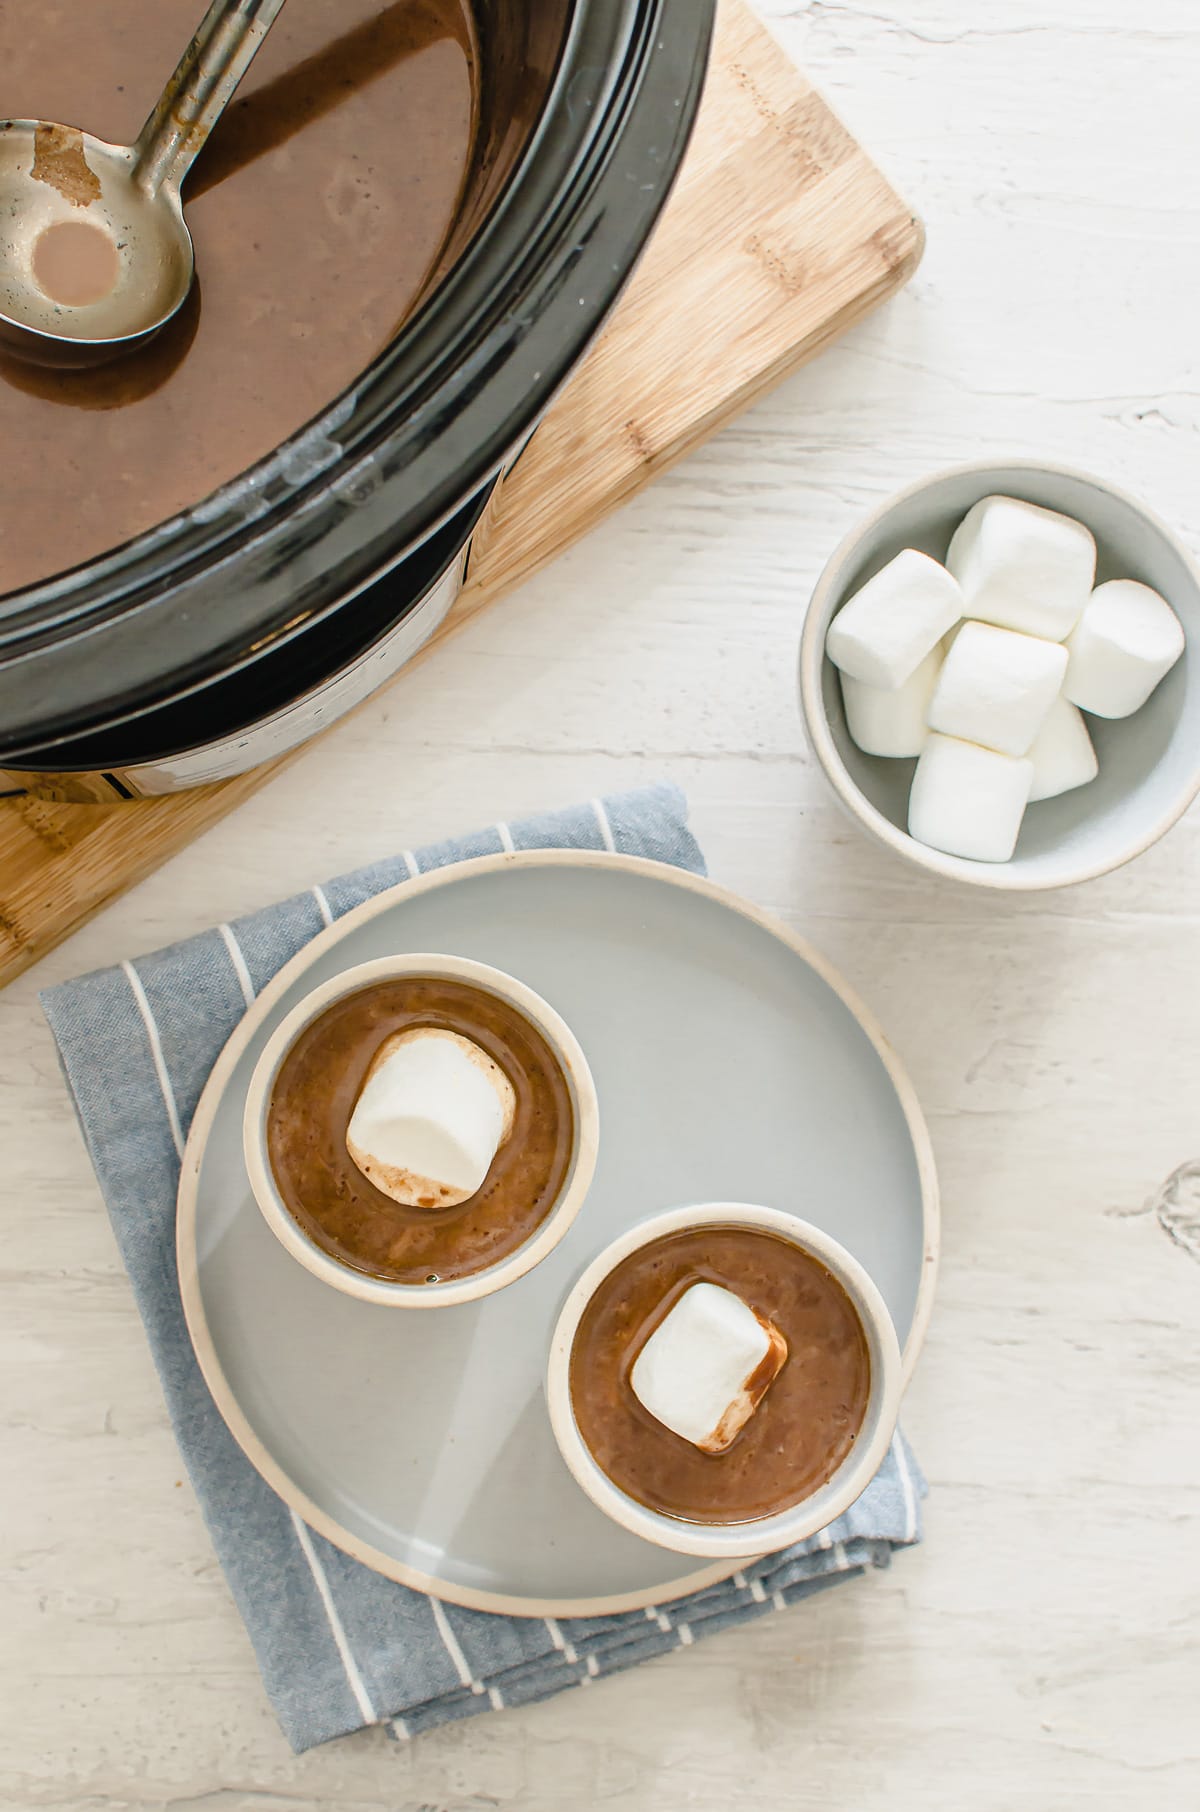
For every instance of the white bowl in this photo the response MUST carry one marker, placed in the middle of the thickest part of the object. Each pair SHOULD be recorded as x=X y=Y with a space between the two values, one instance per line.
x=565 y=1047
x=1149 y=763
x=732 y=1541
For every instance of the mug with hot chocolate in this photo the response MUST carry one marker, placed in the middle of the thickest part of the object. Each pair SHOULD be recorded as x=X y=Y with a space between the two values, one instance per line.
x=421 y=1131
x=724 y=1380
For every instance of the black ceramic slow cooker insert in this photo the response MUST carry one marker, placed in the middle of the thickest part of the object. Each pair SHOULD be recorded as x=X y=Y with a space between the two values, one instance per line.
x=240 y=626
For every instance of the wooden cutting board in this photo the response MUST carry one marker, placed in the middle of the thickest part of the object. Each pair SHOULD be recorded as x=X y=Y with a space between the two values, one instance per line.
x=780 y=234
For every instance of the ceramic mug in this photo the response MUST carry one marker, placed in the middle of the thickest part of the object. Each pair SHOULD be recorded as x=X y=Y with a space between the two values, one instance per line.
x=733 y=1541
x=564 y=1046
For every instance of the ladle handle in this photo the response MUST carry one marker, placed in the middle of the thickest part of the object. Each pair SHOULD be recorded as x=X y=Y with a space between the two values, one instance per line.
x=201 y=88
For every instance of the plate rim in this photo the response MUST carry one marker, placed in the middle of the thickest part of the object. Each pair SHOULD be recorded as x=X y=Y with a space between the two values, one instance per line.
x=211 y=1370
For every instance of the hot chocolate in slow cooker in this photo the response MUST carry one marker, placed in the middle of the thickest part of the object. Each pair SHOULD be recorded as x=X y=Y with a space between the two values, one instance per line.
x=408 y=227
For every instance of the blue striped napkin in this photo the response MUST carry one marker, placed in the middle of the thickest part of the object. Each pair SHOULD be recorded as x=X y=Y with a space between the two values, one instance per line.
x=338 y=1646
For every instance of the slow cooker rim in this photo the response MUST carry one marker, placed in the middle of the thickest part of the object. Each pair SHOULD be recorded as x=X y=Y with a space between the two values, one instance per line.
x=83 y=754
x=327 y=443
x=672 y=41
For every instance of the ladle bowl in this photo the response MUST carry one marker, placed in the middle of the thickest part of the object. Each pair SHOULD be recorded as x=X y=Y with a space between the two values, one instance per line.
x=95 y=255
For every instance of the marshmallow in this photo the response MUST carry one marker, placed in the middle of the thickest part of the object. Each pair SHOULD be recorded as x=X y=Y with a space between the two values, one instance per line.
x=968 y=801
x=1062 y=753
x=892 y=723
x=431 y=1115
x=1022 y=567
x=996 y=687
x=707 y=1366
x=1126 y=640
x=885 y=630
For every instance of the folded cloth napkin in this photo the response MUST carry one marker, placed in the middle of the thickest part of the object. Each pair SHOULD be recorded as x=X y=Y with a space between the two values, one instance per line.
x=340 y=1647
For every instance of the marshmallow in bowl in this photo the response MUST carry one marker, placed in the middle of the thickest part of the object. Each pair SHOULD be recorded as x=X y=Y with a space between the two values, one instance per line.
x=968 y=801
x=707 y=1366
x=1062 y=754
x=892 y=723
x=1127 y=639
x=993 y=710
x=996 y=687
x=432 y=1114
x=1023 y=567
x=884 y=632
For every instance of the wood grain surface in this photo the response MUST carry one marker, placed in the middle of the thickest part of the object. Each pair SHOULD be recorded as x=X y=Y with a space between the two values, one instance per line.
x=780 y=235
x=1041 y=1650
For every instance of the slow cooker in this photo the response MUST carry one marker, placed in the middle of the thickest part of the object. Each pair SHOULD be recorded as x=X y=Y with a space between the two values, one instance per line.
x=239 y=627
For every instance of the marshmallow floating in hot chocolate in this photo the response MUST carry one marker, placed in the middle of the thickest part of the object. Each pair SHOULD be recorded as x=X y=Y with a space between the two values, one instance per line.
x=707 y=1366
x=433 y=1112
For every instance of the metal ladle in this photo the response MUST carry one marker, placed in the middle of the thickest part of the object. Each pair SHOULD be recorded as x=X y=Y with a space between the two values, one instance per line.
x=95 y=256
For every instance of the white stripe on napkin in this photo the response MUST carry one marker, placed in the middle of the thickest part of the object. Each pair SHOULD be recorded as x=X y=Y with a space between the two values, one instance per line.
x=606 y=832
x=240 y=967
x=565 y=1649
x=451 y=1645
x=906 y=1485
x=156 y=1053
x=321 y=1580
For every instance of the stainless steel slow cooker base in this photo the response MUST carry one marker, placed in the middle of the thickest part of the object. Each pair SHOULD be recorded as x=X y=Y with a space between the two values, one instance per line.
x=290 y=696
x=296 y=723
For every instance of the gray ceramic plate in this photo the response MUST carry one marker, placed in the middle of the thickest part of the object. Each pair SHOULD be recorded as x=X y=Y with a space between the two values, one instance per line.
x=730 y=1062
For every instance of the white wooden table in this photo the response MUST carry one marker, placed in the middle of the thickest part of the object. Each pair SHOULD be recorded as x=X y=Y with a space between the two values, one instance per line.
x=1041 y=1649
